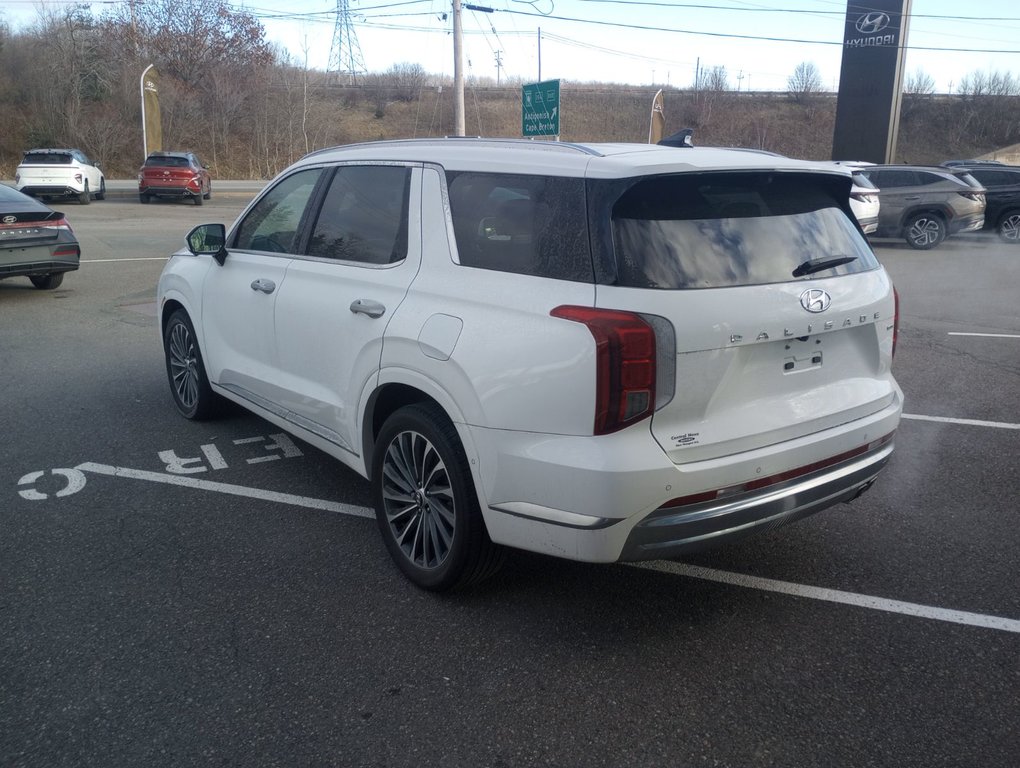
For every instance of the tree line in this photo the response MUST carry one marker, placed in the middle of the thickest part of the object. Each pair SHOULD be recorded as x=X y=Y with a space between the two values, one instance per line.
x=249 y=109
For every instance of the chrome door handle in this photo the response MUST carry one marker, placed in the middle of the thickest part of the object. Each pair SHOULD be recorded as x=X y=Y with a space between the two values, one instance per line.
x=367 y=307
x=266 y=286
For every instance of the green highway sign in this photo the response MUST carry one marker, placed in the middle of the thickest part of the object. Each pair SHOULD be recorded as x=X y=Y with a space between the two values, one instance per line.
x=540 y=109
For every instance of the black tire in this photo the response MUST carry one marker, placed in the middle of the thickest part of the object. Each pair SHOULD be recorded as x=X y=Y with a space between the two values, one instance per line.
x=185 y=371
x=101 y=195
x=85 y=197
x=1009 y=227
x=208 y=195
x=47 y=282
x=197 y=198
x=425 y=502
x=923 y=231
x=144 y=198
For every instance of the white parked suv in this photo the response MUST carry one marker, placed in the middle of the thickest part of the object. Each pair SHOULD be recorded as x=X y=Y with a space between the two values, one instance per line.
x=599 y=352
x=50 y=173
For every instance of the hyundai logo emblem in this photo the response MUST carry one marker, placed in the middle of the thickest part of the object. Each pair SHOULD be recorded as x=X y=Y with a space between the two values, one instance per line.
x=872 y=23
x=10 y=219
x=815 y=300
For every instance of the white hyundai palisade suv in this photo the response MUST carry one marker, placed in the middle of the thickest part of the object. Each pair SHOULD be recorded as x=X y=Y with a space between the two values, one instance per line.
x=603 y=352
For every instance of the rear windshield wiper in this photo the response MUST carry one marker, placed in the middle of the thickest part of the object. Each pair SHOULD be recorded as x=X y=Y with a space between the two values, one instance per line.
x=820 y=265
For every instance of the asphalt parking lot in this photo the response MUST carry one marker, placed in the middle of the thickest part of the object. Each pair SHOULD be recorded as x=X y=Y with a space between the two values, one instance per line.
x=177 y=593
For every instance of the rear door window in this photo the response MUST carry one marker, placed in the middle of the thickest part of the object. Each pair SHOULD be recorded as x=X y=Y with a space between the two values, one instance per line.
x=717 y=230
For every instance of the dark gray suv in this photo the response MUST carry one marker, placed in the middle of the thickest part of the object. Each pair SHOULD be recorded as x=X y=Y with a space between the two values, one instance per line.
x=924 y=205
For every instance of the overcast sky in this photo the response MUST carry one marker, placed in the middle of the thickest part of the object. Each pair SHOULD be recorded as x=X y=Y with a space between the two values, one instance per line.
x=627 y=41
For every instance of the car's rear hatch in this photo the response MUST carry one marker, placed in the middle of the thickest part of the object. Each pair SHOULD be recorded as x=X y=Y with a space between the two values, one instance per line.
x=49 y=170
x=168 y=174
x=783 y=319
x=29 y=227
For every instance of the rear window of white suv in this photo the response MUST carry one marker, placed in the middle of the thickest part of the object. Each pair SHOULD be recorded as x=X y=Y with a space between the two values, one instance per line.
x=718 y=230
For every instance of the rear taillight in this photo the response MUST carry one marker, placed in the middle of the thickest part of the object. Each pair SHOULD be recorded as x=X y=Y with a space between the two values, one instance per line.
x=77 y=177
x=625 y=365
x=861 y=197
x=977 y=197
x=896 y=320
x=45 y=224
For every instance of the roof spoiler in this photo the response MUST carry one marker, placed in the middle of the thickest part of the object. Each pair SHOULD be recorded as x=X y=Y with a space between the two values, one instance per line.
x=681 y=138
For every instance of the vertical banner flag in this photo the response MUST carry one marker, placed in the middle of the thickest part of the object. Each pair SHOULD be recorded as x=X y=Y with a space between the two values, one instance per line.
x=658 y=121
x=152 y=123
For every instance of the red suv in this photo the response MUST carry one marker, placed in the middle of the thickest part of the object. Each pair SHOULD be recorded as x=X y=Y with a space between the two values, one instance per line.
x=174 y=174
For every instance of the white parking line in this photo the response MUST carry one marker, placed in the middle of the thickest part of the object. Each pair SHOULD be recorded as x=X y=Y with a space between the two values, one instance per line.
x=988 y=335
x=835 y=596
x=964 y=422
x=679 y=569
x=234 y=490
x=139 y=258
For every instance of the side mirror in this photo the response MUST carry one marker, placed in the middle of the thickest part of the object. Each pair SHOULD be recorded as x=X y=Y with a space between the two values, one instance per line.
x=209 y=240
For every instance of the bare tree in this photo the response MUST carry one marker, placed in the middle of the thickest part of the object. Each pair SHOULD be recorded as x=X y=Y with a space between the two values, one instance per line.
x=714 y=79
x=805 y=83
x=919 y=83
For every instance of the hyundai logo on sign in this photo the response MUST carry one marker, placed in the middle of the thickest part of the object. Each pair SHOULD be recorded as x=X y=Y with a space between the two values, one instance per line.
x=815 y=300
x=872 y=23
x=10 y=219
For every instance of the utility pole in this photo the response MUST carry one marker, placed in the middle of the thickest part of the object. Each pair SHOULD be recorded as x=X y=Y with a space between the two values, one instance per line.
x=499 y=64
x=539 y=54
x=458 y=71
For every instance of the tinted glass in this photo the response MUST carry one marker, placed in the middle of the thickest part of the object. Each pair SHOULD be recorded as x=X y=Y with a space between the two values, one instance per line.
x=272 y=225
x=968 y=179
x=717 y=230
x=167 y=162
x=862 y=181
x=532 y=225
x=47 y=158
x=892 y=179
x=364 y=215
x=995 y=178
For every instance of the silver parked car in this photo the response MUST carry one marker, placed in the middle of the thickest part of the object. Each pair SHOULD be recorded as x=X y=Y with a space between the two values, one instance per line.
x=924 y=205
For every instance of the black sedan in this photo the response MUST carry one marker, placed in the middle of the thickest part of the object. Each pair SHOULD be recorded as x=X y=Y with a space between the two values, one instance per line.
x=35 y=241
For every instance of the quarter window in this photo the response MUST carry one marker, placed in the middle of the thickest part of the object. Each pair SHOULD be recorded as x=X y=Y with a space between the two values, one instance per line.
x=364 y=215
x=531 y=225
x=272 y=225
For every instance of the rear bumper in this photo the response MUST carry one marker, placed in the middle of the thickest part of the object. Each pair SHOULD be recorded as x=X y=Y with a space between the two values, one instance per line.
x=50 y=190
x=621 y=498
x=15 y=269
x=669 y=533
x=156 y=190
x=869 y=224
x=968 y=223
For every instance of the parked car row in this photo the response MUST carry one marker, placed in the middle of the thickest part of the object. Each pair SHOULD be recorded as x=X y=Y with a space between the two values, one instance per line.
x=924 y=205
x=69 y=173
x=38 y=242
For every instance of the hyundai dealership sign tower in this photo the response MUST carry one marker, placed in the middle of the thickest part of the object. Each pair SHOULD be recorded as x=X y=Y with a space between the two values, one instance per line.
x=871 y=81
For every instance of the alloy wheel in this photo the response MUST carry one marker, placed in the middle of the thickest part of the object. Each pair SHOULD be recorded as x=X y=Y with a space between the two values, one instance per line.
x=418 y=499
x=183 y=366
x=925 y=232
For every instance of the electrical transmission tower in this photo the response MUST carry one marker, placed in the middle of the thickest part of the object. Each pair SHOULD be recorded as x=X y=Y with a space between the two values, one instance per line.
x=345 y=54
